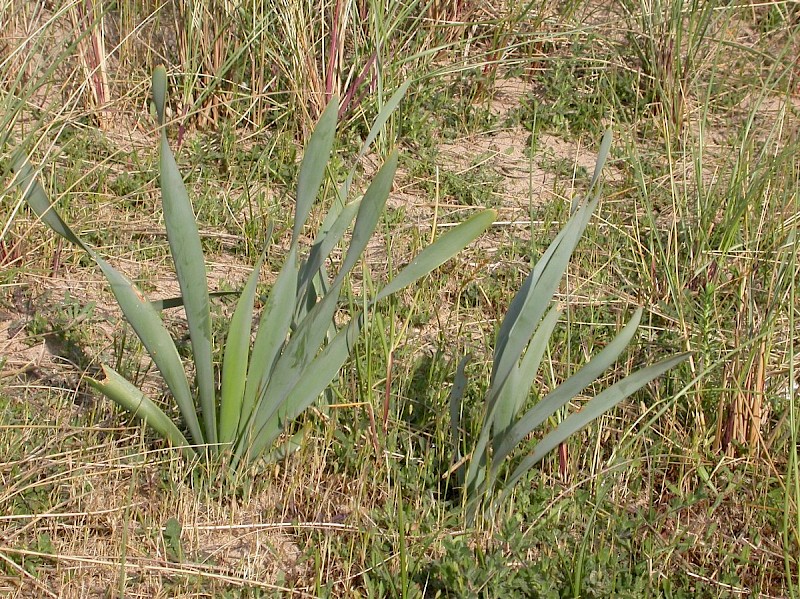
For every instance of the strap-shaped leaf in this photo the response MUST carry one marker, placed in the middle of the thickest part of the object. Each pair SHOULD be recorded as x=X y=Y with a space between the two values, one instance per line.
x=537 y=291
x=273 y=329
x=131 y=399
x=520 y=322
x=319 y=374
x=190 y=268
x=304 y=343
x=329 y=235
x=312 y=170
x=567 y=390
x=456 y=397
x=440 y=251
x=521 y=316
x=602 y=156
x=159 y=91
x=288 y=447
x=369 y=210
x=383 y=117
x=377 y=127
x=534 y=297
x=315 y=265
x=595 y=408
x=138 y=311
x=36 y=197
x=150 y=329
x=369 y=213
x=235 y=360
x=290 y=367
x=177 y=302
x=517 y=386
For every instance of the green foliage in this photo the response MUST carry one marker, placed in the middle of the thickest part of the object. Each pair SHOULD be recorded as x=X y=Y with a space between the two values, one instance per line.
x=63 y=329
x=668 y=41
x=495 y=571
x=444 y=114
x=477 y=185
x=298 y=348
x=577 y=92
x=171 y=536
x=700 y=229
x=520 y=347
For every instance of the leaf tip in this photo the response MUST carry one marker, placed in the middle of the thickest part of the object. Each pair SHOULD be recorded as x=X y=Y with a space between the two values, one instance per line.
x=159 y=91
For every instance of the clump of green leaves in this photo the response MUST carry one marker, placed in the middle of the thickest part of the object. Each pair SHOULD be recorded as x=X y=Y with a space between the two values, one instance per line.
x=521 y=344
x=298 y=348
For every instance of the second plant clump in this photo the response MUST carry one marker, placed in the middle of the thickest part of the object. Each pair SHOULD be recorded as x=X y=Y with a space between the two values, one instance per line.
x=267 y=381
x=520 y=346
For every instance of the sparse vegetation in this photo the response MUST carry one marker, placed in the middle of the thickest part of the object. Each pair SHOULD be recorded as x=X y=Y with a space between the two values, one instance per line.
x=688 y=488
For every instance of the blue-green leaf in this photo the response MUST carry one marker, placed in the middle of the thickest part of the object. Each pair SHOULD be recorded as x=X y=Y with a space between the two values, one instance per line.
x=234 y=364
x=131 y=399
x=190 y=268
x=312 y=170
x=595 y=408
x=567 y=390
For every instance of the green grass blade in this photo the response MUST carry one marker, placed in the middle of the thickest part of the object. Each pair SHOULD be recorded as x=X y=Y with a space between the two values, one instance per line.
x=235 y=360
x=595 y=408
x=567 y=390
x=131 y=399
x=312 y=170
x=190 y=268
x=439 y=252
